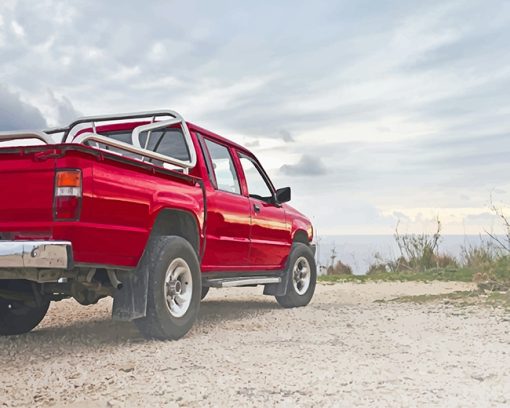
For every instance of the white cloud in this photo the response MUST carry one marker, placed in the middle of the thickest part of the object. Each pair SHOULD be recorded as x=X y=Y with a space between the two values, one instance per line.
x=18 y=29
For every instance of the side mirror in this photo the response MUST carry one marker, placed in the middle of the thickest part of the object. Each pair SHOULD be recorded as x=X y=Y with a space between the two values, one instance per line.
x=283 y=195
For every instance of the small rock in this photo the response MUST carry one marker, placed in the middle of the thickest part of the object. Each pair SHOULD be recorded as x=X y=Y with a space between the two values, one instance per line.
x=127 y=368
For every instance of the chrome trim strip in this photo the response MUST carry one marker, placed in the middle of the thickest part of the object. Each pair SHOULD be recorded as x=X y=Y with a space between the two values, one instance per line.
x=232 y=282
x=35 y=254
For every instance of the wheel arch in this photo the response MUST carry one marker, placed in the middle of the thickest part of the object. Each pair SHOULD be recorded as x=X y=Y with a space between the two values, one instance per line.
x=300 y=235
x=171 y=221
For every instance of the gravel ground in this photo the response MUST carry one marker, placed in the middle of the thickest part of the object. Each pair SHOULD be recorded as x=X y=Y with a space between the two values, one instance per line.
x=344 y=349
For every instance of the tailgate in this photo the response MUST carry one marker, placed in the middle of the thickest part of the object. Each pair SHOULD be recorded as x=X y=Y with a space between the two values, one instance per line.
x=26 y=188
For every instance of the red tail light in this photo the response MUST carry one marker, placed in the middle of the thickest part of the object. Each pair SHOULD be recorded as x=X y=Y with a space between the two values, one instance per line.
x=68 y=192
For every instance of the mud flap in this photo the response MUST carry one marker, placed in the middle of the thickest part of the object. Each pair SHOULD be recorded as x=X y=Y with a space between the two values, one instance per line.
x=130 y=302
x=277 y=289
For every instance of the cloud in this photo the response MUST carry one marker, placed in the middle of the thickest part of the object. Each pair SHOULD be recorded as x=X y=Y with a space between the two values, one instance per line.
x=254 y=143
x=405 y=103
x=286 y=136
x=306 y=166
x=62 y=109
x=16 y=114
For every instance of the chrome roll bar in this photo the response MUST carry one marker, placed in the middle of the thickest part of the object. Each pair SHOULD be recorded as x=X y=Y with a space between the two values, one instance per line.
x=71 y=134
x=163 y=124
x=71 y=130
x=94 y=137
x=26 y=134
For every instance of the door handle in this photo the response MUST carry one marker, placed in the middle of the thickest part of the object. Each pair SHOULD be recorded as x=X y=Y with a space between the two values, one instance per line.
x=256 y=208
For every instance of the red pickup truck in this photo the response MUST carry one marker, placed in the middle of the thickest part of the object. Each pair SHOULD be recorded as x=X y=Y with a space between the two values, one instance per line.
x=148 y=209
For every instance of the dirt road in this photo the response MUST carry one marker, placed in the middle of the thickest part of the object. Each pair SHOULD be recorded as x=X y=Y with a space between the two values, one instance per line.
x=344 y=349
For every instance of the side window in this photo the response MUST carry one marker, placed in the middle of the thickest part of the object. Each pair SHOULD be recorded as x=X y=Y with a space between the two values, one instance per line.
x=223 y=166
x=257 y=185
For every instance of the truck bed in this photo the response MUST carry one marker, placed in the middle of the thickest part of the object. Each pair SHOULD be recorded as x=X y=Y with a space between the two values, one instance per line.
x=120 y=200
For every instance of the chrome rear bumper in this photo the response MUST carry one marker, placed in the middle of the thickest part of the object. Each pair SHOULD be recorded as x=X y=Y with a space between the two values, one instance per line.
x=35 y=254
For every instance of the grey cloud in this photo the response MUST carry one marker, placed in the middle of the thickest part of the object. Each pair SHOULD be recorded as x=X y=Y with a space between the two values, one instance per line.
x=255 y=143
x=306 y=166
x=205 y=51
x=458 y=162
x=286 y=136
x=16 y=114
x=486 y=218
x=400 y=216
x=65 y=111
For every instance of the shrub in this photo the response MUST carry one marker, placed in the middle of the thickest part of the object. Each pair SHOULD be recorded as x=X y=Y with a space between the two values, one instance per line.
x=445 y=261
x=418 y=253
x=380 y=265
x=418 y=250
x=339 y=269
x=479 y=256
x=377 y=268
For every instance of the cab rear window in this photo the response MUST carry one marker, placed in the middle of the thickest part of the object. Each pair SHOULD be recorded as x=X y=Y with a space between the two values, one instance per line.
x=169 y=142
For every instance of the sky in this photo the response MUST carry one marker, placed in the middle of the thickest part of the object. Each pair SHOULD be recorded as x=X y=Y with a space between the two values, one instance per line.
x=373 y=112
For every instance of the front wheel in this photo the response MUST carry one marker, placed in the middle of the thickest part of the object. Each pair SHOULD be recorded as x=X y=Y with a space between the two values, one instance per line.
x=23 y=314
x=174 y=288
x=302 y=277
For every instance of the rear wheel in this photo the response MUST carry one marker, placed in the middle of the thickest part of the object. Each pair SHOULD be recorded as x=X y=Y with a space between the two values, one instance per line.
x=174 y=288
x=25 y=312
x=302 y=277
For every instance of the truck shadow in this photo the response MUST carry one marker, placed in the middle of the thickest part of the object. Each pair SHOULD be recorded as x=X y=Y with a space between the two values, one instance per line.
x=218 y=311
x=103 y=331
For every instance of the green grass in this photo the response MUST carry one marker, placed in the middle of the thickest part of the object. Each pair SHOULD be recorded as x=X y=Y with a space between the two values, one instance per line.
x=453 y=296
x=493 y=283
x=500 y=299
x=436 y=274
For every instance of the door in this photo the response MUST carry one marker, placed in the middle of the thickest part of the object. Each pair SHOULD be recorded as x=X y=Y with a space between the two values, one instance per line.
x=228 y=212
x=270 y=235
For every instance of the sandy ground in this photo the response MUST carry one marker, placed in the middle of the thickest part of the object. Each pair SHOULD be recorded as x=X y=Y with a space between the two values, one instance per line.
x=344 y=349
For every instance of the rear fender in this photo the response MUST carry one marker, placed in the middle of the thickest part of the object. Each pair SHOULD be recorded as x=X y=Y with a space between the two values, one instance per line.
x=130 y=302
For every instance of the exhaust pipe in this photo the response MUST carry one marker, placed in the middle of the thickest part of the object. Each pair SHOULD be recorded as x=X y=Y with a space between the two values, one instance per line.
x=117 y=284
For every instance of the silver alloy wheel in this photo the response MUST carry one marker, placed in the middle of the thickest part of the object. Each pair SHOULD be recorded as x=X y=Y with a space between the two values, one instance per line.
x=178 y=287
x=301 y=275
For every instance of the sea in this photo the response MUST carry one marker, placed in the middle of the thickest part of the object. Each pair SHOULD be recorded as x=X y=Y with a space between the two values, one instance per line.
x=359 y=251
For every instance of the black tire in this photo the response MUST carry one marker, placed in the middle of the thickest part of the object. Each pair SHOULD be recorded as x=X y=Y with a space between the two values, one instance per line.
x=19 y=317
x=159 y=322
x=205 y=291
x=293 y=298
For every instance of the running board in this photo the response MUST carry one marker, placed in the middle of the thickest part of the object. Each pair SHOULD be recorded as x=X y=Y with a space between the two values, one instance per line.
x=232 y=282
